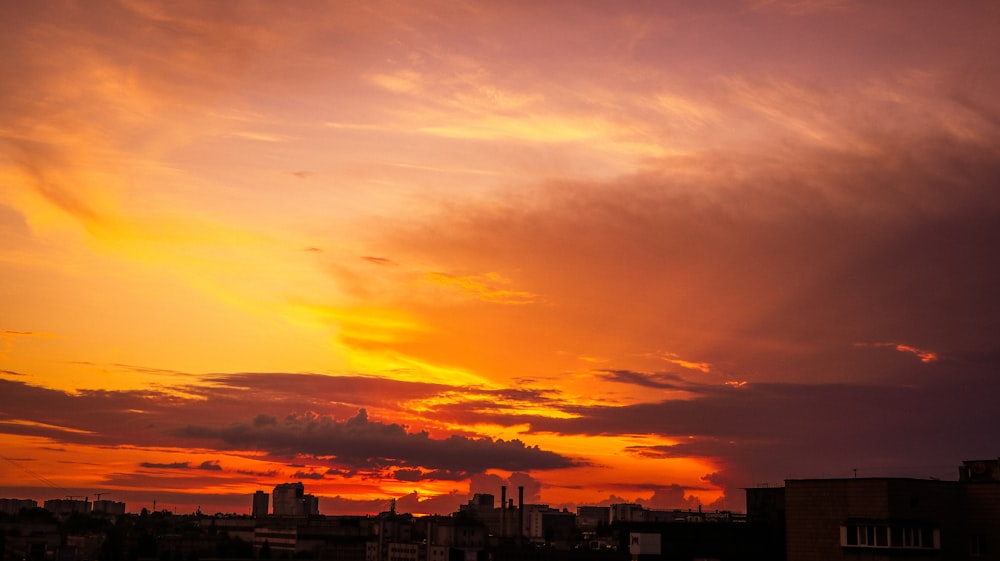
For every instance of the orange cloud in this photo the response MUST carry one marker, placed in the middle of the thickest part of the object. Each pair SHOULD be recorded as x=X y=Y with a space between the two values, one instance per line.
x=673 y=358
x=924 y=355
x=484 y=287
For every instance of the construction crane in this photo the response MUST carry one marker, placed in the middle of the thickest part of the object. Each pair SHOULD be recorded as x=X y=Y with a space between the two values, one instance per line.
x=99 y=495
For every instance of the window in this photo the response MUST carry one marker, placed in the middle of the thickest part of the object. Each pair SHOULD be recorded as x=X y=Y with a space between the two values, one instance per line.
x=890 y=536
x=975 y=545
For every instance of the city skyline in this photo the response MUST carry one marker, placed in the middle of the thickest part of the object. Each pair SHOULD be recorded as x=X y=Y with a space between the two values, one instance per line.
x=651 y=252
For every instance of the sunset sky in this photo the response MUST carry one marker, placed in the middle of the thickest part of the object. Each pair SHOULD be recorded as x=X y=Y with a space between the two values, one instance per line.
x=650 y=252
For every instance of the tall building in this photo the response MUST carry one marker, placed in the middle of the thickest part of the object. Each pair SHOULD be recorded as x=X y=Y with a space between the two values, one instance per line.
x=290 y=499
x=310 y=504
x=260 y=504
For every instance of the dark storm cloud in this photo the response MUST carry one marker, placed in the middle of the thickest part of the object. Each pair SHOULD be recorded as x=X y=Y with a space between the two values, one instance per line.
x=143 y=416
x=407 y=474
x=771 y=431
x=358 y=442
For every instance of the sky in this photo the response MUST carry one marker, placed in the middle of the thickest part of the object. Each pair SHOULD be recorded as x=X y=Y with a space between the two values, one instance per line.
x=653 y=252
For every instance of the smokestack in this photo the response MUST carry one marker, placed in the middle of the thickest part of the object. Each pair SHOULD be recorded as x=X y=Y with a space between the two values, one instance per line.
x=503 y=511
x=520 y=511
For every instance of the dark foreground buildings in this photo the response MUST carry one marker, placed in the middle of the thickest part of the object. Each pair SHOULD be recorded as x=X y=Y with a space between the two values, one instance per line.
x=862 y=519
x=886 y=518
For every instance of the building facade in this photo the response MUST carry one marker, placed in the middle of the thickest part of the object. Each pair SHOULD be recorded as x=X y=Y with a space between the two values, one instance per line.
x=887 y=518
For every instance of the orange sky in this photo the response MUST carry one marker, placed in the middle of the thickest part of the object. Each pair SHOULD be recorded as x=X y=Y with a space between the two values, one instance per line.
x=645 y=252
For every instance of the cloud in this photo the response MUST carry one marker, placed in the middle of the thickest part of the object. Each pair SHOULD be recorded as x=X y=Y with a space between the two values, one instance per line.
x=8 y=338
x=669 y=497
x=307 y=475
x=210 y=465
x=359 y=443
x=923 y=354
x=172 y=465
x=445 y=503
x=487 y=287
x=658 y=380
x=673 y=358
x=766 y=432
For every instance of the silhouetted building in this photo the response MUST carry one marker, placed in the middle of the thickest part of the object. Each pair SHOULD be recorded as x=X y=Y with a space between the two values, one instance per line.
x=626 y=512
x=455 y=538
x=886 y=517
x=552 y=527
x=290 y=499
x=589 y=518
x=64 y=507
x=310 y=504
x=980 y=498
x=109 y=508
x=14 y=506
x=389 y=528
x=260 y=504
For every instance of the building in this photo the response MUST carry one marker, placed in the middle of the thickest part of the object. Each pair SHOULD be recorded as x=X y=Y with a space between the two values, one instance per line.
x=552 y=527
x=260 y=504
x=290 y=499
x=109 y=508
x=627 y=512
x=886 y=517
x=389 y=528
x=644 y=545
x=64 y=507
x=590 y=518
x=14 y=506
x=310 y=504
x=459 y=537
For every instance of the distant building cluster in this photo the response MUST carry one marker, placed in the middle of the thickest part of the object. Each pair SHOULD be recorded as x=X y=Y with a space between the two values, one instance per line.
x=14 y=506
x=290 y=499
x=65 y=507
x=805 y=520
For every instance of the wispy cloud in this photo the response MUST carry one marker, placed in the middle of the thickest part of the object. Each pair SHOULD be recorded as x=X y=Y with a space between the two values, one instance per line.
x=487 y=287
x=924 y=355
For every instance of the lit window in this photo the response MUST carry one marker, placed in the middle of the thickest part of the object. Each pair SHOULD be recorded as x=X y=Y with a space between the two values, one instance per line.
x=889 y=536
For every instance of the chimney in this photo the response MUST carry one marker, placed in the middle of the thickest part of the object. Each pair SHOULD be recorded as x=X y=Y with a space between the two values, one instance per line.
x=503 y=511
x=520 y=511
